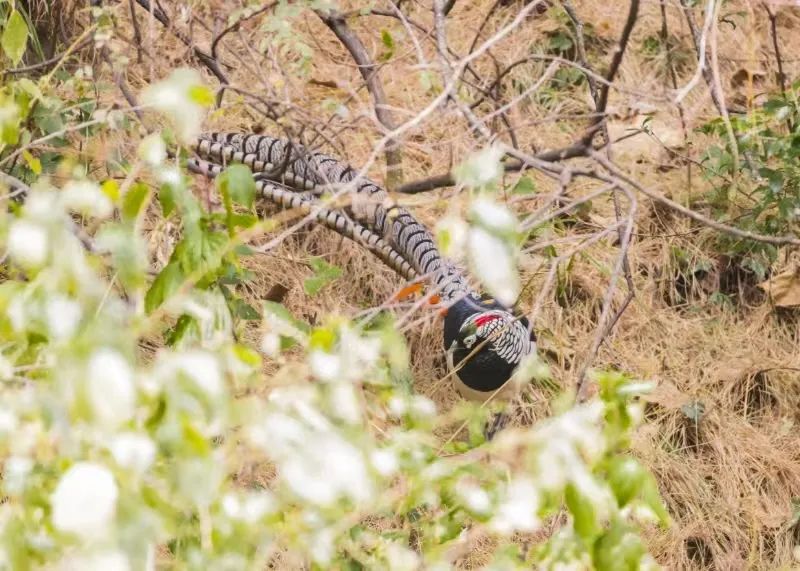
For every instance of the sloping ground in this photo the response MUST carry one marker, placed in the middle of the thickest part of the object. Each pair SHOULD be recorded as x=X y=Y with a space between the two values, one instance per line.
x=721 y=431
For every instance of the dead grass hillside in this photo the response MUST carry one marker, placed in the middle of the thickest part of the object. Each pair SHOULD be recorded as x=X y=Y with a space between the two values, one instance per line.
x=722 y=430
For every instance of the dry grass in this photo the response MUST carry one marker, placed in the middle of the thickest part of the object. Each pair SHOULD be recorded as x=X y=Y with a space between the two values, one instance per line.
x=730 y=475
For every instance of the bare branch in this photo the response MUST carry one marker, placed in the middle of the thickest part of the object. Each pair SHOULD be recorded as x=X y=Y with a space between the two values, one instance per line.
x=369 y=71
x=203 y=57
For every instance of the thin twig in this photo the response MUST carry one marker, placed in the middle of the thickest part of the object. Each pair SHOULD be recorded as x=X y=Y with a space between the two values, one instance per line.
x=203 y=57
x=618 y=174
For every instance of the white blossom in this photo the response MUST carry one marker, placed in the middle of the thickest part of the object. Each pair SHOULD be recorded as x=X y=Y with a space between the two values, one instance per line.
x=344 y=402
x=451 y=236
x=492 y=261
x=6 y=369
x=133 y=451
x=494 y=217
x=107 y=560
x=8 y=421
x=322 y=546
x=325 y=469
x=85 y=501
x=397 y=406
x=170 y=175
x=28 y=243
x=482 y=168
x=63 y=316
x=153 y=149
x=110 y=386
x=200 y=367
x=271 y=344
x=384 y=461
x=423 y=406
x=325 y=366
x=401 y=558
x=172 y=96
x=473 y=497
x=87 y=197
x=249 y=509
x=517 y=511
x=15 y=473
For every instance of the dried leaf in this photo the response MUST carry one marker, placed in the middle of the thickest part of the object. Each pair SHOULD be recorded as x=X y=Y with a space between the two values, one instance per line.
x=784 y=289
x=668 y=396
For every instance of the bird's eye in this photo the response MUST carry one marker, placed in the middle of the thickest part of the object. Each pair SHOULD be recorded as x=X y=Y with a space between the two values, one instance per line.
x=469 y=341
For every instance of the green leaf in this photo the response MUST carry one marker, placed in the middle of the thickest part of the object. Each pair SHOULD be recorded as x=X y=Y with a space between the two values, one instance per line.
x=15 y=37
x=324 y=273
x=135 y=201
x=166 y=283
x=236 y=183
x=166 y=197
x=201 y=251
x=652 y=498
x=625 y=476
x=524 y=186
x=388 y=43
x=582 y=511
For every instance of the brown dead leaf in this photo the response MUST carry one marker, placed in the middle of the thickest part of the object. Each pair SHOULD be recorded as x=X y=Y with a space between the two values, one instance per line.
x=668 y=396
x=735 y=369
x=784 y=289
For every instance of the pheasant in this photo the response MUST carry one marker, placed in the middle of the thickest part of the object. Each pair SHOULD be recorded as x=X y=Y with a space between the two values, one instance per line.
x=483 y=340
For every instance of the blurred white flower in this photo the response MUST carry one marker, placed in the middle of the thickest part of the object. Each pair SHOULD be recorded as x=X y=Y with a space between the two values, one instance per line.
x=492 y=261
x=401 y=558
x=517 y=511
x=397 y=406
x=271 y=344
x=63 y=316
x=325 y=366
x=111 y=560
x=384 y=461
x=423 y=406
x=27 y=243
x=133 y=451
x=451 y=236
x=86 y=197
x=200 y=367
x=6 y=369
x=43 y=206
x=85 y=501
x=481 y=168
x=322 y=547
x=344 y=402
x=15 y=473
x=8 y=421
x=170 y=175
x=493 y=216
x=475 y=498
x=325 y=469
x=249 y=509
x=173 y=97
x=153 y=149
x=111 y=390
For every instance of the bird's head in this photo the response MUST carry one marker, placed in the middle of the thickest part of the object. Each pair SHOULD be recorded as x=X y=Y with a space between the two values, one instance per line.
x=485 y=342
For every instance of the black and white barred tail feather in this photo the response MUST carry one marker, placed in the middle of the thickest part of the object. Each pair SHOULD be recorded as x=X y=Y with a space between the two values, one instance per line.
x=308 y=171
x=336 y=221
x=482 y=338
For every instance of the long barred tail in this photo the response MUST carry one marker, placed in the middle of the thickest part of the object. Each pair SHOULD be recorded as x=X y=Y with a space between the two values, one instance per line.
x=315 y=173
x=305 y=202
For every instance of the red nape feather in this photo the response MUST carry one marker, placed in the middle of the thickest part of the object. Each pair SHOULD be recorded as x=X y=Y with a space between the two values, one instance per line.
x=484 y=319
